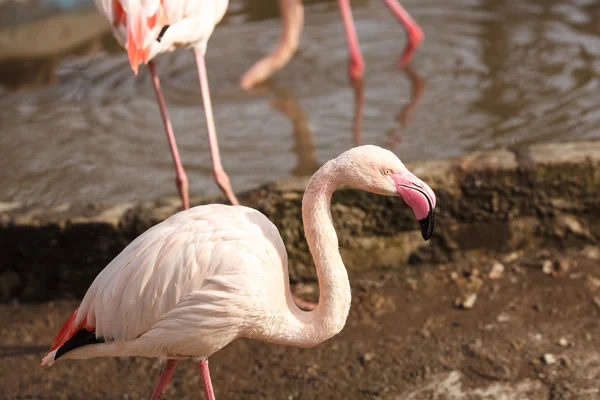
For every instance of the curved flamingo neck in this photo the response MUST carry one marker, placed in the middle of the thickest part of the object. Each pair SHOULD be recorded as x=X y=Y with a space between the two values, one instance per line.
x=330 y=316
x=307 y=329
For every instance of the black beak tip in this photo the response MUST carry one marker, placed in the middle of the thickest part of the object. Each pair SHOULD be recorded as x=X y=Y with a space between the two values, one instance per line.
x=427 y=225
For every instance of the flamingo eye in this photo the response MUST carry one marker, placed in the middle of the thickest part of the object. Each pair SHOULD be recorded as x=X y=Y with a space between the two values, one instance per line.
x=387 y=171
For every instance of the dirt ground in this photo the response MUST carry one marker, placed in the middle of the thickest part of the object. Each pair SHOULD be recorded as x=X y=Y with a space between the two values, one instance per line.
x=533 y=332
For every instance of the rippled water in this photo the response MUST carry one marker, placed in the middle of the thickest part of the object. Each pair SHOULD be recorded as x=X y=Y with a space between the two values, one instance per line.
x=490 y=74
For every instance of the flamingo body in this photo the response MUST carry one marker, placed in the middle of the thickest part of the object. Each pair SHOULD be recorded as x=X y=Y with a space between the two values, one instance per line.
x=186 y=287
x=211 y=274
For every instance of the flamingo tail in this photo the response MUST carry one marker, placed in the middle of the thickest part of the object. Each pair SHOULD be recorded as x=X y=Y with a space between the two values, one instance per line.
x=142 y=30
x=70 y=336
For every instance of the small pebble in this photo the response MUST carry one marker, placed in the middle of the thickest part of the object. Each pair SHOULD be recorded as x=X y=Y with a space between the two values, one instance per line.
x=563 y=342
x=503 y=317
x=547 y=267
x=469 y=302
x=592 y=252
x=548 y=359
x=365 y=358
x=511 y=257
x=413 y=284
x=592 y=283
x=497 y=271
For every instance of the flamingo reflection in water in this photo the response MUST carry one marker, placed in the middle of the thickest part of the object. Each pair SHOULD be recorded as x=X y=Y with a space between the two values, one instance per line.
x=403 y=117
x=304 y=148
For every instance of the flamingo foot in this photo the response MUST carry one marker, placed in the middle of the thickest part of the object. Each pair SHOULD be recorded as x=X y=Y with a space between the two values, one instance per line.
x=356 y=69
x=415 y=38
x=181 y=180
x=292 y=20
x=259 y=72
x=222 y=180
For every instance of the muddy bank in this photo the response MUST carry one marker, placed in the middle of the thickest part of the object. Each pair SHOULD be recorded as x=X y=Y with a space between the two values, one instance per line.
x=533 y=333
x=497 y=201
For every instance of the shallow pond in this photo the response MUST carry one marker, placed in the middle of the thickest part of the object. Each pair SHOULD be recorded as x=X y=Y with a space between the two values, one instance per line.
x=76 y=125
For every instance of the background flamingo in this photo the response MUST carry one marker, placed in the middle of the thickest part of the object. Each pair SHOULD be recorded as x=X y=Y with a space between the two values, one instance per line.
x=147 y=28
x=209 y=275
x=292 y=20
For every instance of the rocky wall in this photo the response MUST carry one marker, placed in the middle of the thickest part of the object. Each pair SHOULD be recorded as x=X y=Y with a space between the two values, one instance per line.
x=495 y=201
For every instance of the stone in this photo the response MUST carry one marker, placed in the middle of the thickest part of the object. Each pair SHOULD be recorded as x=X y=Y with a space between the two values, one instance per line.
x=548 y=359
x=547 y=267
x=497 y=271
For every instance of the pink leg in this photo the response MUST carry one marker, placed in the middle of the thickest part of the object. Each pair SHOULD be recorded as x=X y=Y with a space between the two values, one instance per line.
x=218 y=171
x=208 y=389
x=292 y=19
x=181 y=179
x=159 y=390
x=357 y=64
x=414 y=31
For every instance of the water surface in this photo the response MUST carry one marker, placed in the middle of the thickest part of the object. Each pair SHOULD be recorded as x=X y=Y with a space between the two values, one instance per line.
x=76 y=125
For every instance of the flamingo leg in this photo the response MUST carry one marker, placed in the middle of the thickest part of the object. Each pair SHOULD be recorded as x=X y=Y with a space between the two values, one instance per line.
x=208 y=389
x=159 y=390
x=292 y=20
x=219 y=173
x=181 y=179
x=357 y=64
x=414 y=31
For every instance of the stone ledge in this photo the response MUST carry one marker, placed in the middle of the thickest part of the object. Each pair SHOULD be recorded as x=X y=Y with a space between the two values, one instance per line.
x=496 y=201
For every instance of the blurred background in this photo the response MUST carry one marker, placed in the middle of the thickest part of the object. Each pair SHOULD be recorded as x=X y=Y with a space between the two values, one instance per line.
x=77 y=126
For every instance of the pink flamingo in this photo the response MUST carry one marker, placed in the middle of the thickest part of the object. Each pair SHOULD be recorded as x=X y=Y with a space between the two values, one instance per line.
x=209 y=275
x=147 y=28
x=292 y=20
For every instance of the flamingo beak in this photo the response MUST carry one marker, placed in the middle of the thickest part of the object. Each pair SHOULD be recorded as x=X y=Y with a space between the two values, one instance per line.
x=427 y=224
x=419 y=196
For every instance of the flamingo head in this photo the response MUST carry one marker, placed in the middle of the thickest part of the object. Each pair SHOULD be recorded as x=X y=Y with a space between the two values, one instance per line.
x=380 y=171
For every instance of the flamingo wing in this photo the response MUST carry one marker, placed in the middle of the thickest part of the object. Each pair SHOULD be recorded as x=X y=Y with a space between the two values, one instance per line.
x=206 y=320
x=158 y=269
x=209 y=268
